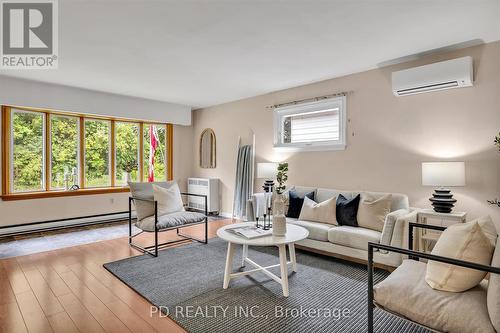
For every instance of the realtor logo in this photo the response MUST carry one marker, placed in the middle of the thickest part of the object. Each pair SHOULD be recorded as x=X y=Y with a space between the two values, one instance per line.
x=29 y=34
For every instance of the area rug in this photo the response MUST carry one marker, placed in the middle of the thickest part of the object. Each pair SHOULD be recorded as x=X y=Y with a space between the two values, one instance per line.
x=326 y=294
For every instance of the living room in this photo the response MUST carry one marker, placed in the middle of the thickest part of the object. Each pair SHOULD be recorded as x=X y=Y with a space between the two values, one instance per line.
x=250 y=167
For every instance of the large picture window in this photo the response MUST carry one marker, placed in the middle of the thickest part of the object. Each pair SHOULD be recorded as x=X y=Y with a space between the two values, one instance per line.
x=155 y=166
x=44 y=151
x=127 y=152
x=97 y=150
x=28 y=140
x=64 y=148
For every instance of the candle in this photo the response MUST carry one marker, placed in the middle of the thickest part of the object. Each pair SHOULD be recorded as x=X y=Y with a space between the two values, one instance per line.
x=257 y=209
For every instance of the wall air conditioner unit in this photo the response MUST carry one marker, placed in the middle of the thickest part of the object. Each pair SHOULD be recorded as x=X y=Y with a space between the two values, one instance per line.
x=456 y=73
x=205 y=186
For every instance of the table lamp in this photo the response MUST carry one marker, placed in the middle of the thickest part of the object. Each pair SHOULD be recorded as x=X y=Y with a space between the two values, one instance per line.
x=443 y=174
x=268 y=172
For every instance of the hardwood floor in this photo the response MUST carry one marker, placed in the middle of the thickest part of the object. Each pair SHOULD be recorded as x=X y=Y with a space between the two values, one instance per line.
x=68 y=290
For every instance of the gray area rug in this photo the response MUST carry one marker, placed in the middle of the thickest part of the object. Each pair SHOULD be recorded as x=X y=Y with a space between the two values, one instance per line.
x=326 y=294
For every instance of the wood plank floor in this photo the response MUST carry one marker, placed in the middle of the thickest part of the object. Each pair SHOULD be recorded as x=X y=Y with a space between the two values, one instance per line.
x=68 y=290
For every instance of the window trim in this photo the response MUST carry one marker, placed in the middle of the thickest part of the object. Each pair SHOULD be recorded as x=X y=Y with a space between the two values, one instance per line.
x=7 y=157
x=334 y=102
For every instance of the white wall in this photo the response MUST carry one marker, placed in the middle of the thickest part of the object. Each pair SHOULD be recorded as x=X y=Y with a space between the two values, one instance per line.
x=21 y=92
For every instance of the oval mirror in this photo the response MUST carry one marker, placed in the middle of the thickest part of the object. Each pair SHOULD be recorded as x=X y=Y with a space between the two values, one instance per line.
x=207 y=149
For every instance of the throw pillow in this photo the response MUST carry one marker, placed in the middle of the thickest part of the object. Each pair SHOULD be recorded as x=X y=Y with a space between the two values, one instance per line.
x=295 y=203
x=169 y=199
x=372 y=213
x=143 y=190
x=463 y=241
x=323 y=212
x=347 y=210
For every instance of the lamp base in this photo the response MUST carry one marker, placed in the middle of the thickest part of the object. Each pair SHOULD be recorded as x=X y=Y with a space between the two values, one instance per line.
x=268 y=186
x=442 y=200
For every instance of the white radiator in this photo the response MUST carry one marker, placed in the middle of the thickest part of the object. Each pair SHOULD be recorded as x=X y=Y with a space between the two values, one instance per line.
x=205 y=186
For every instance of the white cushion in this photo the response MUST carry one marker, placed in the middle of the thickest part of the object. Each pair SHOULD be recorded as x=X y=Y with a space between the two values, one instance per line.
x=169 y=199
x=463 y=241
x=405 y=292
x=323 y=212
x=355 y=237
x=317 y=231
x=144 y=190
x=372 y=212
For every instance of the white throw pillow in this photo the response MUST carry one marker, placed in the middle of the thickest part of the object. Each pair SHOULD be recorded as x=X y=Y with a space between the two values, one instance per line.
x=372 y=212
x=169 y=199
x=323 y=212
x=472 y=241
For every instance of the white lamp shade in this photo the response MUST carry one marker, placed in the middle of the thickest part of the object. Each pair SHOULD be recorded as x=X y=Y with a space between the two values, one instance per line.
x=267 y=170
x=443 y=173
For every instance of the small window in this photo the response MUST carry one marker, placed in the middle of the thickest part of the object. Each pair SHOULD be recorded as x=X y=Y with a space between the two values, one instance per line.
x=319 y=125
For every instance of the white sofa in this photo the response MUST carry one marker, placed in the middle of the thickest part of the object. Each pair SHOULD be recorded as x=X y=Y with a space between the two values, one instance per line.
x=349 y=241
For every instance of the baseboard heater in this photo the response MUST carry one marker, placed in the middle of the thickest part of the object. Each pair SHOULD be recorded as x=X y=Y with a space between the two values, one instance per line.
x=28 y=228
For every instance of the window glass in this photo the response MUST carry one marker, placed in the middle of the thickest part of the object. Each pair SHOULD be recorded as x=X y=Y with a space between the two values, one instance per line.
x=27 y=151
x=64 y=143
x=127 y=152
x=97 y=148
x=155 y=167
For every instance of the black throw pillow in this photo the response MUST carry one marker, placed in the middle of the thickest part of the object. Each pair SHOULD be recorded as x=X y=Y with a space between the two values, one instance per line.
x=295 y=203
x=347 y=210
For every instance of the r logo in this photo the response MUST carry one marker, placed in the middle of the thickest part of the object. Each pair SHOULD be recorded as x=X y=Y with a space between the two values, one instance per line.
x=27 y=28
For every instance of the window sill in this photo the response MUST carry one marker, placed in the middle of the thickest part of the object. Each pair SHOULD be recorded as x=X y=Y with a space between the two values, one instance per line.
x=55 y=194
x=298 y=148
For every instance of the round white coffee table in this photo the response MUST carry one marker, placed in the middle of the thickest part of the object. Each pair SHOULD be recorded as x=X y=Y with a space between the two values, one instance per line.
x=294 y=233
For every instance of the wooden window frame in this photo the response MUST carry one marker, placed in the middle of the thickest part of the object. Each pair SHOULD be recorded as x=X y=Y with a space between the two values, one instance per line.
x=8 y=195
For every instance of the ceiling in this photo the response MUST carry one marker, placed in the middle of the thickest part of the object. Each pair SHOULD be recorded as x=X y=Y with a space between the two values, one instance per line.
x=202 y=53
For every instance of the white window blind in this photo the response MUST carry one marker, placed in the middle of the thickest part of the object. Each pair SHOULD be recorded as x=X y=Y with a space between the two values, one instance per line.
x=318 y=124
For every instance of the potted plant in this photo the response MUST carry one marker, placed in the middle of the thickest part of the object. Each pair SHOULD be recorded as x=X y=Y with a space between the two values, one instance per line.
x=279 y=219
x=127 y=167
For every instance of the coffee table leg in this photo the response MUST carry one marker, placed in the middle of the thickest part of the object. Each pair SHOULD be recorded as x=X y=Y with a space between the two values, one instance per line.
x=284 y=270
x=245 y=255
x=229 y=264
x=293 y=259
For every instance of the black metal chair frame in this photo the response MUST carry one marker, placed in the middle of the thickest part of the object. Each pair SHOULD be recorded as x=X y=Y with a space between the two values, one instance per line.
x=414 y=255
x=157 y=246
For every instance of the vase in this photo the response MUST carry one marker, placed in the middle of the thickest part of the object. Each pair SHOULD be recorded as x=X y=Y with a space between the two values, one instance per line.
x=279 y=219
x=128 y=177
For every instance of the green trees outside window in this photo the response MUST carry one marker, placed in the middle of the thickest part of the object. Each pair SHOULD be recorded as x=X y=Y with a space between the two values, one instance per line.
x=127 y=152
x=44 y=149
x=64 y=147
x=27 y=144
x=97 y=149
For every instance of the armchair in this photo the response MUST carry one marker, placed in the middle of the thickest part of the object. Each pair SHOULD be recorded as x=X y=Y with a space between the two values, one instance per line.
x=405 y=293
x=177 y=220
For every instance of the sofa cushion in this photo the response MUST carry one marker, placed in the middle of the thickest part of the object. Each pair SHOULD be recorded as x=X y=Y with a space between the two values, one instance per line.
x=176 y=219
x=463 y=241
x=317 y=231
x=143 y=190
x=323 y=212
x=354 y=237
x=295 y=201
x=405 y=292
x=494 y=290
x=372 y=212
x=398 y=200
x=347 y=210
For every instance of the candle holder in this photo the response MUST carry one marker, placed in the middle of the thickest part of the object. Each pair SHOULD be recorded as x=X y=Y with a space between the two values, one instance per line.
x=257 y=222
x=267 y=220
